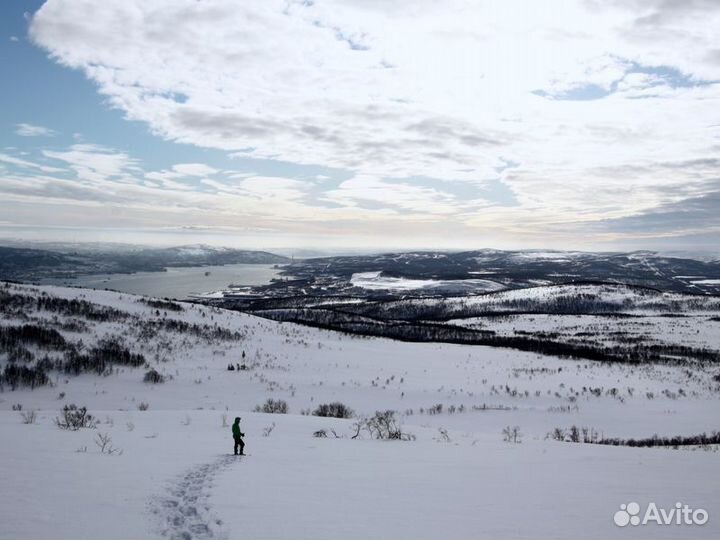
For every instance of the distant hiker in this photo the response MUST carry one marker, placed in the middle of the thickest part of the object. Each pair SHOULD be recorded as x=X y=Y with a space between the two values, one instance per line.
x=237 y=437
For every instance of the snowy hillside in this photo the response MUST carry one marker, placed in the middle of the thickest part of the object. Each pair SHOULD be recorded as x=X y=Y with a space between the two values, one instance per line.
x=169 y=473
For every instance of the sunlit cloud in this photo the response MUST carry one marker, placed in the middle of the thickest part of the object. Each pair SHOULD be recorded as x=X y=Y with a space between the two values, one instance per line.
x=507 y=119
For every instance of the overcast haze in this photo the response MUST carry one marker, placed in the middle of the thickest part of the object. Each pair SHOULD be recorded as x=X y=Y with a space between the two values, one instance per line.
x=368 y=124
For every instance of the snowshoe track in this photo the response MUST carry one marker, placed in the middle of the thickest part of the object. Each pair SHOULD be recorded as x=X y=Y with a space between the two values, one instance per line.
x=185 y=513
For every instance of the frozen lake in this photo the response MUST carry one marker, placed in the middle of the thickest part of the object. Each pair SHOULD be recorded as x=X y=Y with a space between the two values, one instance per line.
x=178 y=283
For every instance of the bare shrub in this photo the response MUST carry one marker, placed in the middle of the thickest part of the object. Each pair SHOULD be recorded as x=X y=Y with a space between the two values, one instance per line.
x=323 y=434
x=273 y=406
x=334 y=410
x=143 y=406
x=104 y=443
x=385 y=426
x=512 y=434
x=153 y=376
x=28 y=417
x=444 y=435
x=590 y=435
x=435 y=409
x=74 y=418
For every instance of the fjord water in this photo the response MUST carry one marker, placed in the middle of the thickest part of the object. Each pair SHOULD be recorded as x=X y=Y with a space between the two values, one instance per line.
x=178 y=283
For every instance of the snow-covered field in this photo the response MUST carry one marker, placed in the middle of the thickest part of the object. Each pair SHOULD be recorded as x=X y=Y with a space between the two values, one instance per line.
x=375 y=281
x=457 y=479
x=697 y=330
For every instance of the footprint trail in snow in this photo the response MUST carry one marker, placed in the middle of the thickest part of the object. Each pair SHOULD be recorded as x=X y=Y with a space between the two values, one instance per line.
x=185 y=512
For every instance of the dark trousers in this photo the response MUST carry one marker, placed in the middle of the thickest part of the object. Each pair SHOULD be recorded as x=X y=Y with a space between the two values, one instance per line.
x=238 y=442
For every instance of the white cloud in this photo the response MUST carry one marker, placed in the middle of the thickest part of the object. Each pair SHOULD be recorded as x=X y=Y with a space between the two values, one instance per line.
x=96 y=164
x=450 y=90
x=25 y=164
x=31 y=130
x=194 y=169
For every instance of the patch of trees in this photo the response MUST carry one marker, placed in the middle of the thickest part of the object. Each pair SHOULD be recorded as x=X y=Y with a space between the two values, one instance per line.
x=273 y=406
x=17 y=303
x=156 y=303
x=12 y=301
x=207 y=332
x=30 y=334
x=79 y=308
x=447 y=333
x=14 y=376
x=153 y=376
x=334 y=410
x=20 y=354
x=100 y=359
x=592 y=436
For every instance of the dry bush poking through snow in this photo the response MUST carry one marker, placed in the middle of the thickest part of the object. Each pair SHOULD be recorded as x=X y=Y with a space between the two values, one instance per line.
x=74 y=418
x=334 y=410
x=384 y=426
x=28 y=417
x=273 y=406
x=153 y=376
x=104 y=443
x=512 y=434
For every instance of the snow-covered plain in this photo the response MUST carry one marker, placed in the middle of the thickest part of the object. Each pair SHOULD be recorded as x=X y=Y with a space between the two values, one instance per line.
x=458 y=479
x=375 y=281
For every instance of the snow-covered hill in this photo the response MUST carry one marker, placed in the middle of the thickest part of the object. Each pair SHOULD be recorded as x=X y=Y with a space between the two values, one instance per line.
x=458 y=478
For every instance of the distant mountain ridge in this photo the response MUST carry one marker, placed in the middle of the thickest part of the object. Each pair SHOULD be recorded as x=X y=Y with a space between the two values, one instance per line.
x=492 y=269
x=407 y=273
x=29 y=264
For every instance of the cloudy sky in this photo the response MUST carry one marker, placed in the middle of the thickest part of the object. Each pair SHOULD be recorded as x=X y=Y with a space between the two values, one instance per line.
x=583 y=124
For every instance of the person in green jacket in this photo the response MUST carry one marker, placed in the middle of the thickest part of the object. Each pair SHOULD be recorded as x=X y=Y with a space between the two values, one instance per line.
x=237 y=437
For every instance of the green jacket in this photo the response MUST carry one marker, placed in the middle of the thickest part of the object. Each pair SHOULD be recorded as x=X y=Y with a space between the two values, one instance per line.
x=236 y=431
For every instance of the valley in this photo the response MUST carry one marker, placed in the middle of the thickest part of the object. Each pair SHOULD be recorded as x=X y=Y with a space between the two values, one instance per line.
x=488 y=431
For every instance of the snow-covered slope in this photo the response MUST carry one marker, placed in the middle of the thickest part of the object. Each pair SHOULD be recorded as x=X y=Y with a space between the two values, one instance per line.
x=457 y=479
